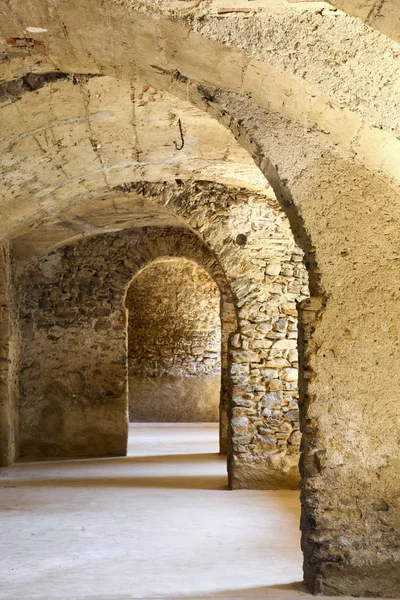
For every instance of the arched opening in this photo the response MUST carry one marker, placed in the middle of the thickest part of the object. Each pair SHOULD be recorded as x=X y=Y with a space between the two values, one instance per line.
x=174 y=344
x=174 y=310
x=255 y=256
x=327 y=156
x=73 y=408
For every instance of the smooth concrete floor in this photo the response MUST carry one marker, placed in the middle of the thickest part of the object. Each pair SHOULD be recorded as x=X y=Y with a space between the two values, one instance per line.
x=159 y=523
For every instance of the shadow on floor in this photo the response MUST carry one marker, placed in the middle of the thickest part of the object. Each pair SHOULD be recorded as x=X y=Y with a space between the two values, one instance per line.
x=185 y=482
x=296 y=589
x=123 y=460
x=279 y=591
x=182 y=471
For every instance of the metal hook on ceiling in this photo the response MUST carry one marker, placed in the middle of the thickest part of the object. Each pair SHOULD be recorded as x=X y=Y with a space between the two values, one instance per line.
x=182 y=143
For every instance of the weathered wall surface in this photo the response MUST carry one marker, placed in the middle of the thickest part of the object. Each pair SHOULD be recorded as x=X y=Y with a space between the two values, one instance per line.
x=9 y=361
x=72 y=384
x=174 y=323
x=319 y=114
x=383 y=15
x=252 y=240
x=175 y=399
x=73 y=378
x=174 y=344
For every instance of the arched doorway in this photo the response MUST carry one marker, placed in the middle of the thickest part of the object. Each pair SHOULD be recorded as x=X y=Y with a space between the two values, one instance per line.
x=176 y=393
x=174 y=344
x=302 y=149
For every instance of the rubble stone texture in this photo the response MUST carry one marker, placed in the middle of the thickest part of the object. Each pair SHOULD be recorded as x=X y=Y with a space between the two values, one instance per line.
x=258 y=332
x=75 y=299
x=199 y=116
x=174 y=344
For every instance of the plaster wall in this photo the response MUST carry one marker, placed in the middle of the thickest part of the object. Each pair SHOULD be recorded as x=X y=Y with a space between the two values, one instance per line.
x=383 y=15
x=174 y=344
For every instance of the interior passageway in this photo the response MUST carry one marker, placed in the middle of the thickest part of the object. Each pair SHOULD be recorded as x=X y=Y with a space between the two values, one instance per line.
x=157 y=523
x=174 y=344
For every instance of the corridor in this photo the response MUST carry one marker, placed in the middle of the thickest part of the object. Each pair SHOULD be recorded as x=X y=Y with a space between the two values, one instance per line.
x=157 y=523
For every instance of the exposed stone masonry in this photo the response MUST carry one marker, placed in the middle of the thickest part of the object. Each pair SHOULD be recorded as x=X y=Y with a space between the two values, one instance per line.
x=252 y=241
x=273 y=334
x=9 y=358
x=174 y=344
x=174 y=324
x=74 y=366
x=311 y=95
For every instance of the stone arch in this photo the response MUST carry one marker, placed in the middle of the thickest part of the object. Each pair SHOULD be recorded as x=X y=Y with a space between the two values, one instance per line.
x=304 y=162
x=184 y=244
x=336 y=192
x=263 y=352
x=174 y=332
x=274 y=467
x=101 y=369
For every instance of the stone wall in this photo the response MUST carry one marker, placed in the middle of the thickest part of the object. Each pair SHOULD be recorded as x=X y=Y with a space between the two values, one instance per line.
x=174 y=344
x=265 y=376
x=322 y=124
x=72 y=382
x=252 y=239
x=264 y=274
x=73 y=378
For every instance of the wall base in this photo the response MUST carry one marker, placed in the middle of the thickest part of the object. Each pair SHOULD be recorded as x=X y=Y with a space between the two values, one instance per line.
x=97 y=446
x=262 y=474
x=174 y=399
x=333 y=579
x=90 y=431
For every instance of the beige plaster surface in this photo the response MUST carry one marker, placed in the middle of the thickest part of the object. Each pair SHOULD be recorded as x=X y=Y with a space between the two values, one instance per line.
x=157 y=523
x=313 y=96
x=383 y=15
